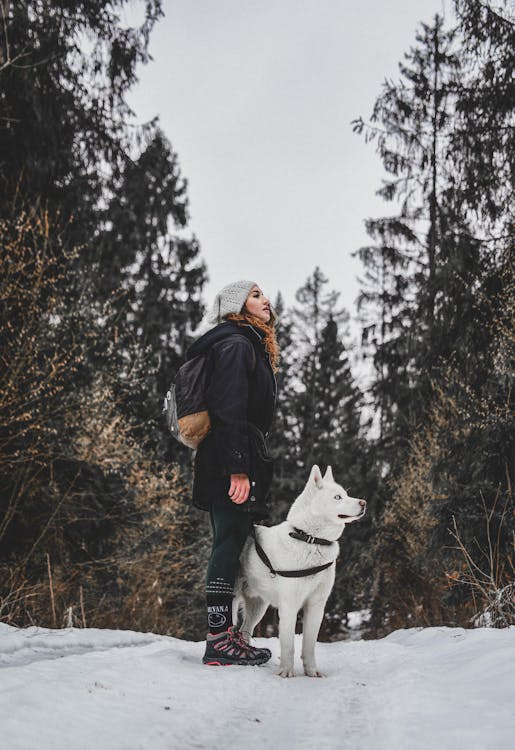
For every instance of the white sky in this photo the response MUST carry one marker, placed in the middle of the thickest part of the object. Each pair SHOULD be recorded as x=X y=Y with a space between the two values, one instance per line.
x=257 y=98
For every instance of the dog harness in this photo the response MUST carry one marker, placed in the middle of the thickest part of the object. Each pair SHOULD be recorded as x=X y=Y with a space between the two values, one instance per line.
x=296 y=534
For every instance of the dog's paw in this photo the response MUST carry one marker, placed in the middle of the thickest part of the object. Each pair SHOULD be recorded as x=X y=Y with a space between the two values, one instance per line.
x=286 y=672
x=313 y=673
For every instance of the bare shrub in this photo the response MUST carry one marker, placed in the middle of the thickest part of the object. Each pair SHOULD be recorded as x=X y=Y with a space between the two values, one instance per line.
x=457 y=473
x=94 y=527
x=488 y=571
x=162 y=549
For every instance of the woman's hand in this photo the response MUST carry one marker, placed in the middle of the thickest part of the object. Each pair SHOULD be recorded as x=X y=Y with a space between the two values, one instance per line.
x=239 y=489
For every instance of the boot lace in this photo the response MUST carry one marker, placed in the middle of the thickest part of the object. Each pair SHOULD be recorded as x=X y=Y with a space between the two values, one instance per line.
x=240 y=639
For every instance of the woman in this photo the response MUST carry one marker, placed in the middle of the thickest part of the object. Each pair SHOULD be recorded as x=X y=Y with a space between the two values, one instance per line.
x=233 y=471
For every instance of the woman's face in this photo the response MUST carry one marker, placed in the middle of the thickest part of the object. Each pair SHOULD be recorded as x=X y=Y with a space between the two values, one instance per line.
x=258 y=305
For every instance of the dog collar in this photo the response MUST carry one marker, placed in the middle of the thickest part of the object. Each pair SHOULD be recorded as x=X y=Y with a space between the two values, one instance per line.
x=303 y=537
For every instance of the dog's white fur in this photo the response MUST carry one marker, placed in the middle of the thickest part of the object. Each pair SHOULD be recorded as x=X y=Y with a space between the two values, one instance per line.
x=322 y=510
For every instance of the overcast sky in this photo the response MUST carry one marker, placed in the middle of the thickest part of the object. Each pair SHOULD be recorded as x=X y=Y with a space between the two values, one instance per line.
x=257 y=97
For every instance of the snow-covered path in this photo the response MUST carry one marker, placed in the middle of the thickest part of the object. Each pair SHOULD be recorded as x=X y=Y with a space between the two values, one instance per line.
x=92 y=689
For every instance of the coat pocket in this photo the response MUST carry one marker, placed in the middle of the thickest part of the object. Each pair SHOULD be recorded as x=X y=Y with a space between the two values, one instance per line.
x=261 y=467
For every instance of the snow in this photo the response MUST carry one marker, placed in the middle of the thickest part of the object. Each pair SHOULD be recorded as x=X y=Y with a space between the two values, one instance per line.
x=75 y=689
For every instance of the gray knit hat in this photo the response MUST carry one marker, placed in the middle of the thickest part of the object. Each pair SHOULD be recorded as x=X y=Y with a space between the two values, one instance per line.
x=230 y=299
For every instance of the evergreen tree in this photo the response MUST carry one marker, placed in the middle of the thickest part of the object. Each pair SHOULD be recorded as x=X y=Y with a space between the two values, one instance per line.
x=438 y=330
x=69 y=142
x=411 y=121
x=283 y=437
x=64 y=127
x=160 y=272
x=483 y=136
x=327 y=406
x=327 y=402
x=99 y=287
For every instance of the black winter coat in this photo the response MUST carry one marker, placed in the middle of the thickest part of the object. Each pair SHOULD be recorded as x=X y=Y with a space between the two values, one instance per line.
x=241 y=397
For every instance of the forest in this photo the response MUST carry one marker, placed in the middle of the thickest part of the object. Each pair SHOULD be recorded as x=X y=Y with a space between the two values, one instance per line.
x=102 y=286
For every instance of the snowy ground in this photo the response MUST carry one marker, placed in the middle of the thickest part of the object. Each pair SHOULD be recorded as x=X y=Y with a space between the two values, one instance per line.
x=437 y=688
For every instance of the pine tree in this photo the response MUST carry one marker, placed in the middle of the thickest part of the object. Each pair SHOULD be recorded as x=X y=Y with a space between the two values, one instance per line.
x=69 y=142
x=441 y=322
x=159 y=270
x=327 y=423
x=100 y=285
x=64 y=130
x=283 y=437
x=327 y=402
x=411 y=121
x=483 y=136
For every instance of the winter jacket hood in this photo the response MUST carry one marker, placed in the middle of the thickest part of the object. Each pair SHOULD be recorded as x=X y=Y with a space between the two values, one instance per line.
x=220 y=332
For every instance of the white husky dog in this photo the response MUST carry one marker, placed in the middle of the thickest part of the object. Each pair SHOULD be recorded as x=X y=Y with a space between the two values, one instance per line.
x=307 y=540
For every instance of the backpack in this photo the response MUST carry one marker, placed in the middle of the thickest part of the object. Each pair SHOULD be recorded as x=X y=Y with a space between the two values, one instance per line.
x=185 y=407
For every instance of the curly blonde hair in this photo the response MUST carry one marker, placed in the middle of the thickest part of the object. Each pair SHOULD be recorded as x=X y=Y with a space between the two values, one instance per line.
x=270 y=340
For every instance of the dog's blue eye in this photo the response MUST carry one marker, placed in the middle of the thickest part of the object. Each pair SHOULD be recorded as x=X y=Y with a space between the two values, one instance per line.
x=337 y=497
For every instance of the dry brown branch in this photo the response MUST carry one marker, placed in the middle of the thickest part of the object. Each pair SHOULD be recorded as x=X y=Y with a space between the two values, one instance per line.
x=69 y=460
x=491 y=576
x=52 y=599
x=82 y=612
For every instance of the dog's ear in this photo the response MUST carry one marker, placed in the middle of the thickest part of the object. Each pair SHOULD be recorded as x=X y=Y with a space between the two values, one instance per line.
x=328 y=476
x=316 y=477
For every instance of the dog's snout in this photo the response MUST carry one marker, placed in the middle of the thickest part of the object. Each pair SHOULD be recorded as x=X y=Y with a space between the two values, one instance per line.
x=363 y=503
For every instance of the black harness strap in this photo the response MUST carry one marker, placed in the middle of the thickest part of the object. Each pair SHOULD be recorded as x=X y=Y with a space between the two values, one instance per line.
x=299 y=534
x=286 y=573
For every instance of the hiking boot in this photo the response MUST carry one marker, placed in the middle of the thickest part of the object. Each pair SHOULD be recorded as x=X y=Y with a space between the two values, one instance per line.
x=254 y=649
x=230 y=647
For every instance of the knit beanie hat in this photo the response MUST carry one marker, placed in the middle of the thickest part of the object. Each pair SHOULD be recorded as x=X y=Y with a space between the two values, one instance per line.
x=230 y=299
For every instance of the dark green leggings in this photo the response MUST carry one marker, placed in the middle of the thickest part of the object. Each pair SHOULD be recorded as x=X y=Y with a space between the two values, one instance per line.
x=230 y=530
